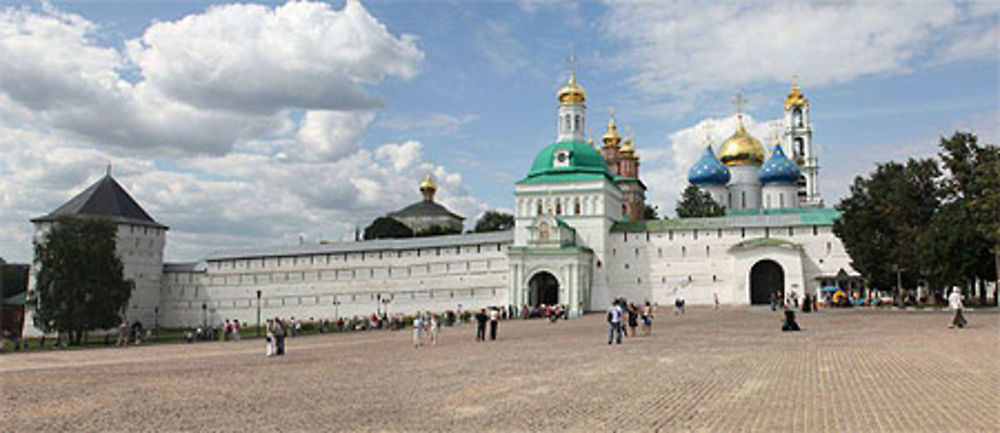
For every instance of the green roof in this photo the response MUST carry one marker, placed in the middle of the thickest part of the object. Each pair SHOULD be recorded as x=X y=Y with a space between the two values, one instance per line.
x=583 y=160
x=737 y=219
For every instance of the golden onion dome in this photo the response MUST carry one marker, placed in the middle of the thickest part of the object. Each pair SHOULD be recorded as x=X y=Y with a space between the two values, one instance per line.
x=572 y=93
x=611 y=137
x=428 y=184
x=796 y=98
x=628 y=150
x=741 y=148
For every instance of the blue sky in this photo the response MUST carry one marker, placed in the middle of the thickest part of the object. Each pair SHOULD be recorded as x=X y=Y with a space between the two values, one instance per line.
x=237 y=125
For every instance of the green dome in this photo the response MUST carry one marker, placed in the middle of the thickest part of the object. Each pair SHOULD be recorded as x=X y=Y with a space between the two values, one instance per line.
x=582 y=158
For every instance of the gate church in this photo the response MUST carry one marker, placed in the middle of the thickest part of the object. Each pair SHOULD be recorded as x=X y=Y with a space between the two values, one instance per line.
x=579 y=240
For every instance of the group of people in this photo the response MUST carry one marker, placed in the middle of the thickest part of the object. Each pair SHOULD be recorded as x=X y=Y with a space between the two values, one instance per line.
x=428 y=324
x=275 y=337
x=621 y=313
x=481 y=318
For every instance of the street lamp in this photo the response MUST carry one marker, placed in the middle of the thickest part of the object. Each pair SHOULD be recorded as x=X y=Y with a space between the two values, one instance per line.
x=258 y=314
x=204 y=316
x=386 y=302
x=336 y=309
x=378 y=301
x=156 y=321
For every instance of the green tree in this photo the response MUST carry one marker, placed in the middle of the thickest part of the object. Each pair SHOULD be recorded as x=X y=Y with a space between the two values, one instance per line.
x=884 y=218
x=972 y=192
x=695 y=203
x=387 y=228
x=439 y=230
x=494 y=221
x=80 y=285
x=650 y=212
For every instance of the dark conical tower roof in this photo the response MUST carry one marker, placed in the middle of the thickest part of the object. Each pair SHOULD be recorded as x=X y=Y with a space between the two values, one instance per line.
x=105 y=198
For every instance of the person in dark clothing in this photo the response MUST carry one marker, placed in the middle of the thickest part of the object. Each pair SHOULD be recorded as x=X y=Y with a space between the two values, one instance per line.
x=494 y=319
x=789 y=323
x=481 y=325
x=806 y=304
x=279 y=337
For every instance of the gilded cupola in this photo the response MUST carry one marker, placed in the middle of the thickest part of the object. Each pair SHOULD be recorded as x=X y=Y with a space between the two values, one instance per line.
x=741 y=148
x=611 y=138
x=795 y=97
x=428 y=187
x=572 y=92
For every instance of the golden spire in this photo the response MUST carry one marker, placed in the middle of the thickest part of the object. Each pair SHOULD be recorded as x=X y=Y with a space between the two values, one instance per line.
x=795 y=97
x=428 y=187
x=708 y=132
x=590 y=136
x=572 y=92
x=628 y=150
x=611 y=137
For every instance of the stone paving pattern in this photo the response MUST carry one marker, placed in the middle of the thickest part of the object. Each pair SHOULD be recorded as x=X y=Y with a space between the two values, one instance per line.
x=727 y=370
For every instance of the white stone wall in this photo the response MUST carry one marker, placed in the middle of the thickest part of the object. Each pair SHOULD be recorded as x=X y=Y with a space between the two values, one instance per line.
x=306 y=286
x=694 y=264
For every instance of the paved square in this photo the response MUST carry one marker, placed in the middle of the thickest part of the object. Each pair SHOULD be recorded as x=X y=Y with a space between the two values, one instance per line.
x=730 y=370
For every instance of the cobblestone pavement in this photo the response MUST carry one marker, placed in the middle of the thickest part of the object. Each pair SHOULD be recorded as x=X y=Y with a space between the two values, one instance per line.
x=729 y=370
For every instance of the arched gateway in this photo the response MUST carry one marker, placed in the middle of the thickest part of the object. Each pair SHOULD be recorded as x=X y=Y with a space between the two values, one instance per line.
x=543 y=289
x=766 y=277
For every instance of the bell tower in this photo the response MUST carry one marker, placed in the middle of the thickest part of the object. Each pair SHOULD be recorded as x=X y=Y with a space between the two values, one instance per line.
x=798 y=141
x=572 y=108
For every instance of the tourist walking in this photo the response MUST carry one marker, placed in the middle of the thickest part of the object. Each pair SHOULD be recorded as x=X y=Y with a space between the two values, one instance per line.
x=279 y=337
x=481 y=325
x=269 y=338
x=122 y=333
x=647 y=319
x=435 y=327
x=715 y=300
x=678 y=305
x=955 y=303
x=418 y=331
x=789 y=323
x=774 y=301
x=615 y=323
x=494 y=322
x=633 y=319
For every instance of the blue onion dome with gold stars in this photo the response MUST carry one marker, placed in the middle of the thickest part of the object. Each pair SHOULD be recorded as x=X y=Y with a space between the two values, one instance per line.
x=708 y=170
x=779 y=169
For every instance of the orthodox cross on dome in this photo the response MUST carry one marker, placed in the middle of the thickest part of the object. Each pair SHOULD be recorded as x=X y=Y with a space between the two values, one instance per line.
x=571 y=62
x=108 y=172
x=795 y=80
x=739 y=101
x=707 y=126
x=775 y=130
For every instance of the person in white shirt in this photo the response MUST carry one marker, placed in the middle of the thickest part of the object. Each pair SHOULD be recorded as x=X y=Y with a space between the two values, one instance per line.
x=615 y=323
x=955 y=303
x=434 y=328
x=418 y=330
x=494 y=321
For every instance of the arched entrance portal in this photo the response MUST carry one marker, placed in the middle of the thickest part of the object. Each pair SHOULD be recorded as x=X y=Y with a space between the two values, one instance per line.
x=766 y=277
x=543 y=289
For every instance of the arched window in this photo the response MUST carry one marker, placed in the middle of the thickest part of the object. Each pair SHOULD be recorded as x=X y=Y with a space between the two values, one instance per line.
x=797 y=117
x=624 y=209
x=576 y=206
x=800 y=146
x=576 y=123
x=781 y=201
x=558 y=207
x=538 y=211
x=684 y=252
x=743 y=197
x=768 y=200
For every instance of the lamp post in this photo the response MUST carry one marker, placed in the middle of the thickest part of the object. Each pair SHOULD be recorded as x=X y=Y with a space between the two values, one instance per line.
x=204 y=316
x=258 y=314
x=336 y=309
x=156 y=321
x=378 y=302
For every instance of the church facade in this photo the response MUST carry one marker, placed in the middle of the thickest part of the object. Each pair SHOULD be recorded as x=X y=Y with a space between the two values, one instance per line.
x=579 y=240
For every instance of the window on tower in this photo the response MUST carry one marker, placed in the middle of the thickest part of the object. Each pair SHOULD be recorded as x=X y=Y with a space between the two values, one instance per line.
x=576 y=206
x=797 y=117
x=800 y=146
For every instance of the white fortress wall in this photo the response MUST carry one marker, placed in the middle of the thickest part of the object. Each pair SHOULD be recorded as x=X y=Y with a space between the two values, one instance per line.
x=346 y=279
